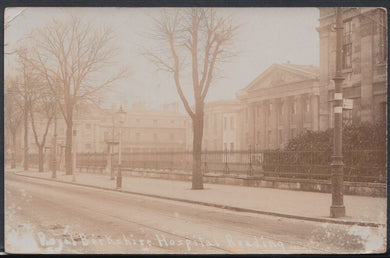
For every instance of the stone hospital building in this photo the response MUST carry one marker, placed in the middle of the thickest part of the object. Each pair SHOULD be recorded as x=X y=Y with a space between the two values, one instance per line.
x=280 y=103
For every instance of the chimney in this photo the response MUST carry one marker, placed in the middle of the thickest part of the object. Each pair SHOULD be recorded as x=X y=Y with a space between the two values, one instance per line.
x=125 y=107
x=139 y=105
x=166 y=107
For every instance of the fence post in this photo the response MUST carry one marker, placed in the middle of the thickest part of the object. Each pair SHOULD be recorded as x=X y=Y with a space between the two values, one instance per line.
x=205 y=163
x=226 y=168
x=250 y=171
x=311 y=164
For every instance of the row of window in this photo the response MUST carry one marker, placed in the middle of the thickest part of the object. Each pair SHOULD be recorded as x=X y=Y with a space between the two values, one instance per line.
x=270 y=134
x=227 y=123
x=381 y=28
x=293 y=108
x=156 y=136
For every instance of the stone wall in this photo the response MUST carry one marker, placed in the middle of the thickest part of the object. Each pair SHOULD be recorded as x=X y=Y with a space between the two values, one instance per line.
x=350 y=188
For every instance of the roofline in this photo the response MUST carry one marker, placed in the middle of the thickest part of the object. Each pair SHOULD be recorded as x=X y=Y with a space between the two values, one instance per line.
x=251 y=84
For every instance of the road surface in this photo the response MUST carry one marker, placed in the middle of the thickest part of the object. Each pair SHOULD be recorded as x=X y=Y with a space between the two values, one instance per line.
x=52 y=217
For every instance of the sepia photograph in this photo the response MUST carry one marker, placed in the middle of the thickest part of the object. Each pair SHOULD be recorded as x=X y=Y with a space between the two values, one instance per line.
x=195 y=130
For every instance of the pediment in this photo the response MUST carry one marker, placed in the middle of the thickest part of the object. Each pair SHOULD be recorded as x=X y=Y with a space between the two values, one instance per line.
x=277 y=75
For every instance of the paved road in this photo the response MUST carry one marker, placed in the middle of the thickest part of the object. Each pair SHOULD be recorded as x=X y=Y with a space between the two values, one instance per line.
x=46 y=217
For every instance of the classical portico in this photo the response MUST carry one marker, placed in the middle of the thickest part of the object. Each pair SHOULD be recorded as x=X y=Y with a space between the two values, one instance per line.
x=281 y=103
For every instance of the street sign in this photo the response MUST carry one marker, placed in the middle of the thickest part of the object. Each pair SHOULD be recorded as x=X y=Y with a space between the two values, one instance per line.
x=347 y=103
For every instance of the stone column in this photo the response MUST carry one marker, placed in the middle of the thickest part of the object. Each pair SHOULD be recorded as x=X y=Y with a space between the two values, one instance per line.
x=276 y=109
x=314 y=112
x=286 y=121
x=251 y=124
x=300 y=113
x=327 y=46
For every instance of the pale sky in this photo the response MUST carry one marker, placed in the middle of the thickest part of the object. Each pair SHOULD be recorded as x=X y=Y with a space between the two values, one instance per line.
x=267 y=36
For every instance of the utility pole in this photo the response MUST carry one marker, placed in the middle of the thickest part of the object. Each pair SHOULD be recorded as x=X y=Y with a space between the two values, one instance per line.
x=338 y=209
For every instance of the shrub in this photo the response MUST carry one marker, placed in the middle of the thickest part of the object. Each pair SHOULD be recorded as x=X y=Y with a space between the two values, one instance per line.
x=362 y=136
x=364 y=151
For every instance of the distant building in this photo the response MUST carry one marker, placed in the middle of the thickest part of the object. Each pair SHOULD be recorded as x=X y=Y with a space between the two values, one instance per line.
x=280 y=103
x=364 y=64
x=148 y=130
x=221 y=126
x=143 y=130
x=222 y=129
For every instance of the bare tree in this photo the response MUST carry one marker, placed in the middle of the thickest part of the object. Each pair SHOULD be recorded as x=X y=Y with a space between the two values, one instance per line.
x=44 y=108
x=71 y=56
x=8 y=18
x=206 y=38
x=26 y=89
x=13 y=115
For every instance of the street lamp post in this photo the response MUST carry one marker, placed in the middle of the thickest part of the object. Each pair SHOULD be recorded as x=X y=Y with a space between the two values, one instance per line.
x=337 y=208
x=74 y=156
x=54 y=171
x=111 y=152
x=121 y=115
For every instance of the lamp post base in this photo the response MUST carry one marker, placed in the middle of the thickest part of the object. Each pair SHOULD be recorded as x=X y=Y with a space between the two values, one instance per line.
x=119 y=180
x=337 y=211
x=118 y=183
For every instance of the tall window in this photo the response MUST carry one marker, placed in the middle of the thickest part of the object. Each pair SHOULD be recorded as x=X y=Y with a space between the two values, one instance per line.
x=280 y=136
x=293 y=134
x=232 y=146
x=294 y=107
x=347 y=45
x=225 y=123
x=215 y=122
x=382 y=42
x=382 y=111
x=281 y=110
x=232 y=123
x=269 y=138
x=307 y=105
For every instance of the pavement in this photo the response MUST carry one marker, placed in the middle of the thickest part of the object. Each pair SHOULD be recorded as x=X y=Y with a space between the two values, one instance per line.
x=311 y=206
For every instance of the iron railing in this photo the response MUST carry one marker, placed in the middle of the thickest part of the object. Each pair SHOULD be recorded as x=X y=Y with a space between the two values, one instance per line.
x=359 y=165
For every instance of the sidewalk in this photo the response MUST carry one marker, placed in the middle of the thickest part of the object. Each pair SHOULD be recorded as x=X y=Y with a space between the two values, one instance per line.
x=361 y=210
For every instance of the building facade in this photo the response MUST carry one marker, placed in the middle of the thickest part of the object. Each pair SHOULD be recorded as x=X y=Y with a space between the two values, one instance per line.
x=142 y=130
x=221 y=126
x=280 y=103
x=364 y=64
x=147 y=130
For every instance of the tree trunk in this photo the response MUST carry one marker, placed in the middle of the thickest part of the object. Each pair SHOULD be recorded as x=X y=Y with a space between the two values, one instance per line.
x=197 y=177
x=13 y=154
x=69 y=145
x=40 y=158
x=25 y=155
